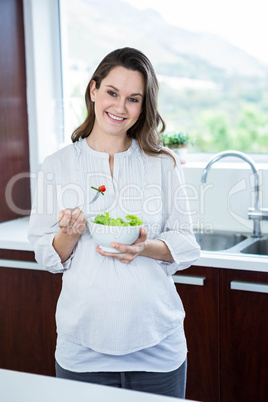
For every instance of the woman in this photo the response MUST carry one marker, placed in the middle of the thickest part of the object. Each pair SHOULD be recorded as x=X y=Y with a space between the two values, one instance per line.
x=119 y=317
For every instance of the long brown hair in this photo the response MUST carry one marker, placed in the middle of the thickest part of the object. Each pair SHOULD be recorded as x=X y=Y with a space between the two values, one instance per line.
x=148 y=128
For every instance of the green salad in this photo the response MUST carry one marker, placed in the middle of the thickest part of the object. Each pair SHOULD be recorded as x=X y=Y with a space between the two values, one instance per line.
x=131 y=220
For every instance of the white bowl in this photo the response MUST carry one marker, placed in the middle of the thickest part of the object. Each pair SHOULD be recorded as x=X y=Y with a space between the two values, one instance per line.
x=104 y=235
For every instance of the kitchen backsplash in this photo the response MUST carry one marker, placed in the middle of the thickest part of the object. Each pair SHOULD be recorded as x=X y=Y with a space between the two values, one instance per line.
x=222 y=202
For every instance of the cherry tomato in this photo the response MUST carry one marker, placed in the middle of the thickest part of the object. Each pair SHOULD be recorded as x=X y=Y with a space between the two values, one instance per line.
x=102 y=188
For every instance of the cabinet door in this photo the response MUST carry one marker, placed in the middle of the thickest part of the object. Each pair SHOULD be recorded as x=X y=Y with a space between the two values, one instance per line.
x=198 y=288
x=244 y=336
x=27 y=320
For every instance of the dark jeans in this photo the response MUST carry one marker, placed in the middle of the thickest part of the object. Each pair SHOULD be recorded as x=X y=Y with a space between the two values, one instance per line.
x=172 y=383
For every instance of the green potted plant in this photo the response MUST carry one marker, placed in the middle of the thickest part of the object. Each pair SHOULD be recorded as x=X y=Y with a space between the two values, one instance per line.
x=178 y=143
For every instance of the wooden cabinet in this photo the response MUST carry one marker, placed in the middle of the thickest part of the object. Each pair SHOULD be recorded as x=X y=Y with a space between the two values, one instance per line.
x=199 y=290
x=27 y=315
x=226 y=327
x=244 y=336
x=14 y=149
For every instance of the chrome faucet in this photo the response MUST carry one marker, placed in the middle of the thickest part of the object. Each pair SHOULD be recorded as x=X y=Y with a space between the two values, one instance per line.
x=254 y=213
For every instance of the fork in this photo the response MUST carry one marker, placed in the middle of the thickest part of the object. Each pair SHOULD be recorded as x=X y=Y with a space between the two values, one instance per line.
x=91 y=202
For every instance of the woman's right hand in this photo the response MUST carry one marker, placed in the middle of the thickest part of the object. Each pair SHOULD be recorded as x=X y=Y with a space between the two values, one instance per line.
x=73 y=223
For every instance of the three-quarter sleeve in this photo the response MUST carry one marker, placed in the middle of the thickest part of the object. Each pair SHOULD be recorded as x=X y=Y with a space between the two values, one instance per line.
x=177 y=232
x=44 y=213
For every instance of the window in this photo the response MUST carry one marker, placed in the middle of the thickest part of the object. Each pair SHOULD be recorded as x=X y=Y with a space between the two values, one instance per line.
x=209 y=57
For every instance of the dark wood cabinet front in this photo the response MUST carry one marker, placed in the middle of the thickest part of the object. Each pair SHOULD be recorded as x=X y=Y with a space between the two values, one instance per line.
x=226 y=327
x=27 y=315
x=244 y=336
x=200 y=297
x=14 y=147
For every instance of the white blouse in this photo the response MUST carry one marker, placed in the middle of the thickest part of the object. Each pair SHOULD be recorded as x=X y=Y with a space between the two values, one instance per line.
x=166 y=356
x=105 y=305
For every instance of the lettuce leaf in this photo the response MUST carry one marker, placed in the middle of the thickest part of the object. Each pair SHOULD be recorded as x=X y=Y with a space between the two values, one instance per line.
x=103 y=219
x=131 y=220
x=134 y=220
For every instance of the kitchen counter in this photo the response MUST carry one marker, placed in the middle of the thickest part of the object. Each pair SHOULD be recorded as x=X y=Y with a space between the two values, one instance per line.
x=24 y=387
x=13 y=236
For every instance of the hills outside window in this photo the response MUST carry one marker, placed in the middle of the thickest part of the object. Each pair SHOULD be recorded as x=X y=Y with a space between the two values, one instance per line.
x=209 y=87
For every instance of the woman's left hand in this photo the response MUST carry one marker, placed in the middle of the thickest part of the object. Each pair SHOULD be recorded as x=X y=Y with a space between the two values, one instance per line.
x=127 y=253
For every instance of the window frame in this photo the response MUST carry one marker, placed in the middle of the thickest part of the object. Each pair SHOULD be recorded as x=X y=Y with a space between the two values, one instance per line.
x=44 y=82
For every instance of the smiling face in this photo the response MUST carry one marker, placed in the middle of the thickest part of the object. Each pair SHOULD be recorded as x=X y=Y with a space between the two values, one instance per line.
x=118 y=101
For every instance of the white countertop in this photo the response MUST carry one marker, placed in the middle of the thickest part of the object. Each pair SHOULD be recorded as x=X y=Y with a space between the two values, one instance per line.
x=13 y=236
x=24 y=387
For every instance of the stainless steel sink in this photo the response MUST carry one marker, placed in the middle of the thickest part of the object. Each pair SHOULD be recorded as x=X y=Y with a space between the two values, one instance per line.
x=218 y=241
x=259 y=247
